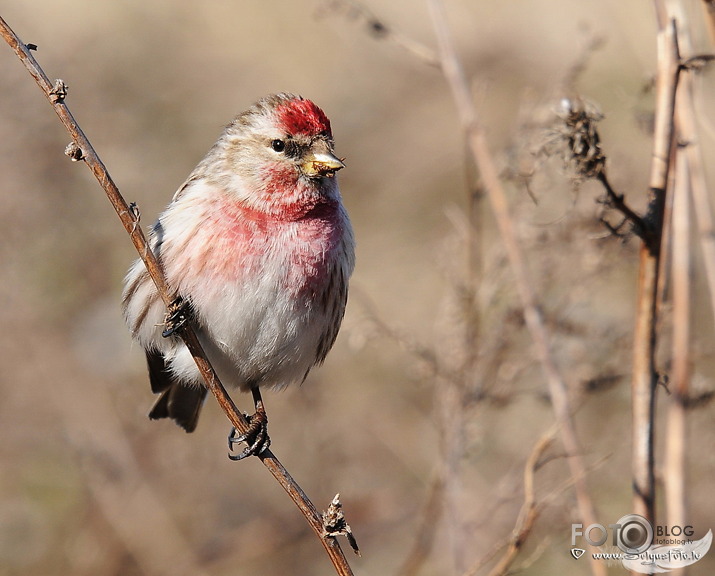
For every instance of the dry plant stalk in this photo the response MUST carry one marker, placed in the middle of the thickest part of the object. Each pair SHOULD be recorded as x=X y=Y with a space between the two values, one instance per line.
x=709 y=8
x=354 y=10
x=81 y=149
x=583 y=152
x=676 y=438
x=645 y=375
x=454 y=74
x=655 y=231
x=688 y=133
x=529 y=510
x=689 y=182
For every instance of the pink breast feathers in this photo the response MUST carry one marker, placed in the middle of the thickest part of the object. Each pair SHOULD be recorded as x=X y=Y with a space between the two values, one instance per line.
x=235 y=242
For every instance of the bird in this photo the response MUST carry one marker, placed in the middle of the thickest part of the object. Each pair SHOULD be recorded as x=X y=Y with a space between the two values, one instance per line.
x=258 y=248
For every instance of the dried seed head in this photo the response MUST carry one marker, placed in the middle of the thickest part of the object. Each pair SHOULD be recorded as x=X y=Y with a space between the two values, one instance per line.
x=74 y=152
x=583 y=151
x=334 y=524
x=59 y=91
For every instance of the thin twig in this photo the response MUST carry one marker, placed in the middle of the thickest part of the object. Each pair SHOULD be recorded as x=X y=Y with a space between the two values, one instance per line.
x=450 y=413
x=585 y=154
x=406 y=340
x=83 y=150
x=617 y=201
x=454 y=74
x=379 y=29
x=529 y=509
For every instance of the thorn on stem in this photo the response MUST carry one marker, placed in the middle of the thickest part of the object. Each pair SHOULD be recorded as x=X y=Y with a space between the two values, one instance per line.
x=697 y=62
x=74 y=152
x=136 y=215
x=59 y=91
x=664 y=381
x=377 y=28
x=334 y=524
x=693 y=401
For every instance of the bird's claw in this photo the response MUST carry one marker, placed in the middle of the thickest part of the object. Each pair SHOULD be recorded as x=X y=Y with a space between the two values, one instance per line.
x=176 y=317
x=256 y=436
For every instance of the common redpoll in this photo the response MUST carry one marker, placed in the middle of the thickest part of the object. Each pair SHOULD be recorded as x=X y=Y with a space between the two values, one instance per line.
x=258 y=245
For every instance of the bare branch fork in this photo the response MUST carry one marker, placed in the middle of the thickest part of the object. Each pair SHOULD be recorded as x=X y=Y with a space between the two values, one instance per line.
x=81 y=149
x=649 y=226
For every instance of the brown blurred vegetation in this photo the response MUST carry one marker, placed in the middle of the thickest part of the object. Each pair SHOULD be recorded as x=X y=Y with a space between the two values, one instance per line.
x=88 y=485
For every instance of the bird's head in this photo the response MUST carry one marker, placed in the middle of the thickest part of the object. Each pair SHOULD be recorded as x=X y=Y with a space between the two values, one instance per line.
x=281 y=152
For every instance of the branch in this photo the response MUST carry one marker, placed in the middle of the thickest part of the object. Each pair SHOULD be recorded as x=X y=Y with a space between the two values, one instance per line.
x=709 y=9
x=690 y=183
x=585 y=155
x=688 y=132
x=617 y=201
x=81 y=149
x=674 y=469
x=454 y=74
x=378 y=29
x=529 y=509
x=529 y=512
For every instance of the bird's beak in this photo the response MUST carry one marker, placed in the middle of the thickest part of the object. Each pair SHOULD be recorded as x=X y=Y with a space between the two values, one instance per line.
x=321 y=164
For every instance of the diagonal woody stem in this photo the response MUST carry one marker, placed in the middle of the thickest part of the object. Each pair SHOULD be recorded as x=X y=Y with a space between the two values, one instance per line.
x=454 y=74
x=82 y=149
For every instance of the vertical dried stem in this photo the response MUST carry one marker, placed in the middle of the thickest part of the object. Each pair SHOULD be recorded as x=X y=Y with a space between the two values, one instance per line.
x=454 y=74
x=451 y=407
x=689 y=134
x=687 y=128
x=55 y=95
x=645 y=376
x=690 y=180
x=709 y=8
x=644 y=382
x=675 y=440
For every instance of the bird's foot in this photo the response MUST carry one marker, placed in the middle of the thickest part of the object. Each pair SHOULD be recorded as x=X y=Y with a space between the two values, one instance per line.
x=256 y=436
x=176 y=317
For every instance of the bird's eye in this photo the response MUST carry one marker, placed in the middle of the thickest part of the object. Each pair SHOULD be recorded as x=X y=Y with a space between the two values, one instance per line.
x=278 y=145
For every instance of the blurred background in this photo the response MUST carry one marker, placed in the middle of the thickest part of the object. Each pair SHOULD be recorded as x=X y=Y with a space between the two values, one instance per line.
x=430 y=485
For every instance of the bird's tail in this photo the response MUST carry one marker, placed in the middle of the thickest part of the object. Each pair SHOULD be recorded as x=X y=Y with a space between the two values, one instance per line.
x=176 y=401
